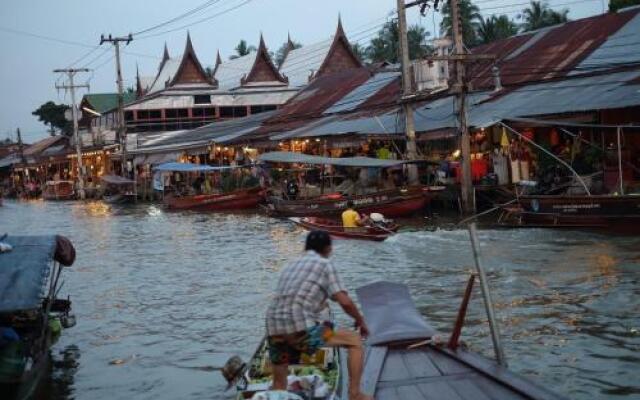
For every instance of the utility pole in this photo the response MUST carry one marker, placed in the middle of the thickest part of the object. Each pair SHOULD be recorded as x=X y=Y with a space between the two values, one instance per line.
x=20 y=145
x=122 y=129
x=466 y=184
x=74 y=116
x=407 y=91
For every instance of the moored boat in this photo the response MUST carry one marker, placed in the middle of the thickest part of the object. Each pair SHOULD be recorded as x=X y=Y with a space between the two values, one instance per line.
x=240 y=199
x=58 y=190
x=613 y=213
x=118 y=190
x=392 y=203
x=335 y=229
x=31 y=316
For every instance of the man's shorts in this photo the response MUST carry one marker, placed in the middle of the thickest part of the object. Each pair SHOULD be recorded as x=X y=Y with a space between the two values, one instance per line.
x=287 y=349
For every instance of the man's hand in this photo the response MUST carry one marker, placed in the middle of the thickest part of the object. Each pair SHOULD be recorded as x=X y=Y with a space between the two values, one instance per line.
x=362 y=327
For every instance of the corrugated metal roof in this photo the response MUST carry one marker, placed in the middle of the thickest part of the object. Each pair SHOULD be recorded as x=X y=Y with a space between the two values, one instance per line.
x=301 y=63
x=103 y=102
x=219 y=132
x=230 y=72
x=39 y=146
x=363 y=92
x=621 y=47
x=549 y=53
x=168 y=72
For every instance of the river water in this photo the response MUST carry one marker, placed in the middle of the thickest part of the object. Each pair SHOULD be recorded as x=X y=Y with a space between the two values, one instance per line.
x=163 y=298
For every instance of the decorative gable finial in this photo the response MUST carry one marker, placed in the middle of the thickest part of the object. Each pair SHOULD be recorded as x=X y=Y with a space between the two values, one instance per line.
x=165 y=55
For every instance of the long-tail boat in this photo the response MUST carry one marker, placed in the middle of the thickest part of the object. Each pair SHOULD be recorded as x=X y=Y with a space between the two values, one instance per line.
x=31 y=315
x=335 y=229
x=242 y=198
x=613 y=213
x=58 y=190
x=392 y=203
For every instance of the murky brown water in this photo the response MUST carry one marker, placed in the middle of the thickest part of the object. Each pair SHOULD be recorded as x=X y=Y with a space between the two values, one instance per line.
x=163 y=298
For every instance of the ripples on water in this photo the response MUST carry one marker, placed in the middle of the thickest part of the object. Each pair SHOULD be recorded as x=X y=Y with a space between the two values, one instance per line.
x=164 y=298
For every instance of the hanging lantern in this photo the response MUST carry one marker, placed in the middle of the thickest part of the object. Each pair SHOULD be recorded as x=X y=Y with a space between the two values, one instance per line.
x=554 y=138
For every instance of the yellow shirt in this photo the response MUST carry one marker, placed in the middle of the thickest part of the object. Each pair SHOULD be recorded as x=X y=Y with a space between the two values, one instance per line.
x=350 y=219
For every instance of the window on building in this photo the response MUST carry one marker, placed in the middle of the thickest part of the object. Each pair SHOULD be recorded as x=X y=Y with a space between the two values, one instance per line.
x=197 y=112
x=202 y=99
x=226 y=112
x=171 y=117
x=155 y=114
x=128 y=116
x=209 y=112
x=264 y=108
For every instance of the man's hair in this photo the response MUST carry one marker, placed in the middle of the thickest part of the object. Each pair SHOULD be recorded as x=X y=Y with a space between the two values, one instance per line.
x=350 y=204
x=317 y=241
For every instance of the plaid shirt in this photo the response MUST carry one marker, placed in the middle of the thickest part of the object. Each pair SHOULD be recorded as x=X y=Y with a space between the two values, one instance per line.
x=302 y=293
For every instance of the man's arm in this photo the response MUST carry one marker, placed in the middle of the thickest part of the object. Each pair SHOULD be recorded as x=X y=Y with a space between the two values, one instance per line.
x=351 y=309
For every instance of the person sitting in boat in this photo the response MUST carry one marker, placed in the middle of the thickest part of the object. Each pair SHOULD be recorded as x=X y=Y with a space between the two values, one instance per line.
x=294 y=323
x=351 y=218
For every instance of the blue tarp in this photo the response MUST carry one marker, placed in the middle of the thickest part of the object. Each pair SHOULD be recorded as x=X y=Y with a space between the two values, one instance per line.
x=187 y=167
x=24 y=272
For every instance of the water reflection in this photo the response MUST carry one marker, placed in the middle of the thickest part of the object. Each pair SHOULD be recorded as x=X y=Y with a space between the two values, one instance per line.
x=163 y=299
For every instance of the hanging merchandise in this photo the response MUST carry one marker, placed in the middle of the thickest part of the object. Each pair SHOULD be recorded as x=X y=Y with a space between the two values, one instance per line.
x=504 y=140
x=524 y=164
x=515 y=163
x=554 y=138
x=500 y=167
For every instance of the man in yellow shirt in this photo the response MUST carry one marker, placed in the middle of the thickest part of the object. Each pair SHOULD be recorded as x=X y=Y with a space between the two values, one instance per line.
x=350 y=217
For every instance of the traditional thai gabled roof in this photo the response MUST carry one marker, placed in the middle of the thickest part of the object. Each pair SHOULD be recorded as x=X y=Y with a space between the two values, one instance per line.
x=303 y=65
x=253 y=69
x=185 y=70
x=263 y=70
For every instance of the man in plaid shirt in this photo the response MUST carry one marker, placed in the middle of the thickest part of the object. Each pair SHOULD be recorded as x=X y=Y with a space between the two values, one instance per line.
x=294 y=322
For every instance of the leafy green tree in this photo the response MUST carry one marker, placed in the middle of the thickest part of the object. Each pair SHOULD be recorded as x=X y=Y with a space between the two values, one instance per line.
x=384 y=47
x=496 y=28
x=615 y=5
x=281 y=53
x=539 y=15
x=52 y=114
x=242 y=49
x=470 y=19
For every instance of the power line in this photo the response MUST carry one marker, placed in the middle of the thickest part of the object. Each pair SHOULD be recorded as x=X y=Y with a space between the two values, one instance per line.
x=202 y=6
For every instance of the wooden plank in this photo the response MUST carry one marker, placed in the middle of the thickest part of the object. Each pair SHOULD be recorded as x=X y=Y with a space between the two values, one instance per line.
x=496 y=390
x=502 y=375
x=447 y=364
x=419 y=364
x=426 y=380
x=438 y=391
x=394 y=368
x=374 y=361
x=387 y=394
x=468 y=390
x=409 y=392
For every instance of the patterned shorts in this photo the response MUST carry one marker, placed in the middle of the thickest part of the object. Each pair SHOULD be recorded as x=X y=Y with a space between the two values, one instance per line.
x=287 y=349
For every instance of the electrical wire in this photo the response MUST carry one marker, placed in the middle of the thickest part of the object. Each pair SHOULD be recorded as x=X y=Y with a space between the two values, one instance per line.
x=195 y=10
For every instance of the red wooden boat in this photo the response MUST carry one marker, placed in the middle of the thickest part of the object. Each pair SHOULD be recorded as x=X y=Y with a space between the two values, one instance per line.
x=335 y=228
x=58 y=190
x=390 y=203
x=236 y=200
x=615 y=213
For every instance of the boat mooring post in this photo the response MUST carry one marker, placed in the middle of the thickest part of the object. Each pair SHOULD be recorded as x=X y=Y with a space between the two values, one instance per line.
x=619 y=134
x=486 y=296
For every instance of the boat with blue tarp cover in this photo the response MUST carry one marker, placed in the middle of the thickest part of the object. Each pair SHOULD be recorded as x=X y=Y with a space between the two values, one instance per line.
x=31 y=316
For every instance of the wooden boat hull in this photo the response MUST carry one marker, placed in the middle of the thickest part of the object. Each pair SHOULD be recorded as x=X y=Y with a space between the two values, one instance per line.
x=119 y=198
x=237 y=200
x=337 y=230
x=614 y=213
x=392 y=204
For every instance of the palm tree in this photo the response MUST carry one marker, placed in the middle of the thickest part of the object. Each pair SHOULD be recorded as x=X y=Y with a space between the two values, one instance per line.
x=496 y=28
x=284 y=49
x=470 y=17
x=540 y=15
x=242 y=49
x=384 y=47
x=359 y=50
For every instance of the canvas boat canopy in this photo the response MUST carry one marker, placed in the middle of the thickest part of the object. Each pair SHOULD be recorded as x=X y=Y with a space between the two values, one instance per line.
x=188 y=167
x=364 y=162
x=116 y=180
x=24 y=272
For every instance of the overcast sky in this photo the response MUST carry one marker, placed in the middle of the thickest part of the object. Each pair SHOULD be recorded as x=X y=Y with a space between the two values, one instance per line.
x=26 y=76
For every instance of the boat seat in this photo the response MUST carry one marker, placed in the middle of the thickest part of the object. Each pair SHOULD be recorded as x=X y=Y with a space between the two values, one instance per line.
x=391 y=314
